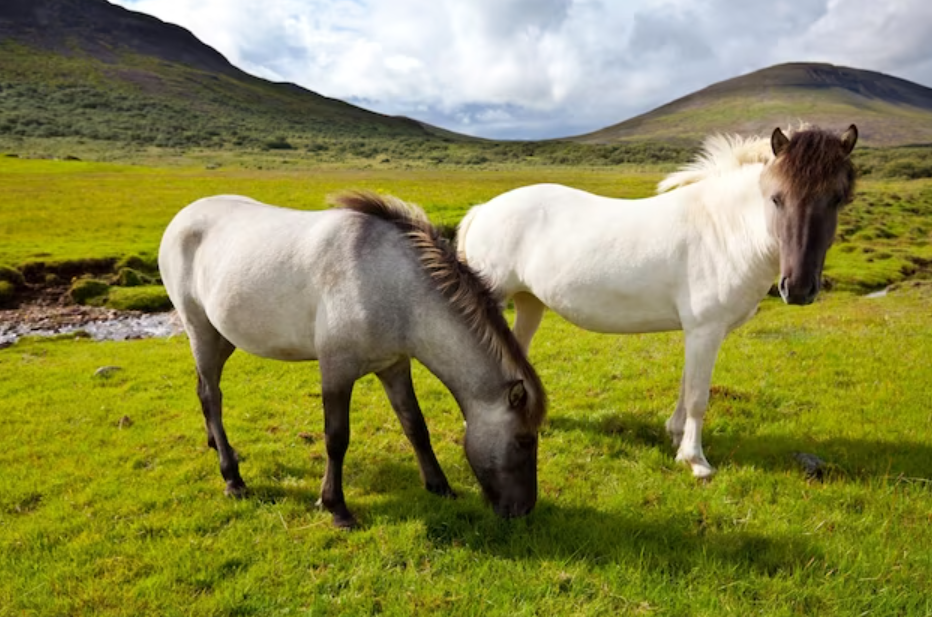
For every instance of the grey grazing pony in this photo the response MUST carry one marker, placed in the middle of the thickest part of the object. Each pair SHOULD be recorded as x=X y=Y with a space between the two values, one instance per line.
x=361 y=288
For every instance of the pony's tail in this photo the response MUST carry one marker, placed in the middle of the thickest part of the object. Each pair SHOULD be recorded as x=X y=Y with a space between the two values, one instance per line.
x=462 y=229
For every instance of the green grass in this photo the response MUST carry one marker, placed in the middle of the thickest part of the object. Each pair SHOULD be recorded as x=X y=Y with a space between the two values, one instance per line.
x=103 y=517
x=55 y=211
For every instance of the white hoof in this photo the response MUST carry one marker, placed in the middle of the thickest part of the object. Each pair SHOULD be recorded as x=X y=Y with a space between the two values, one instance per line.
x=702 y=470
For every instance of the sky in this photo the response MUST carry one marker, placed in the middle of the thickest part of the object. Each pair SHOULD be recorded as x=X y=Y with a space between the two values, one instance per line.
x=536 y=69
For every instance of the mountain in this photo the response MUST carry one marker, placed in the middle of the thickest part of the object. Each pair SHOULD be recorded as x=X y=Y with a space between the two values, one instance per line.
x=93 y=70
x=887 y=110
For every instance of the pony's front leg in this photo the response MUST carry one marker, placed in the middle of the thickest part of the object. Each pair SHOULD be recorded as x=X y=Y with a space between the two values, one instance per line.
x=701 y=350
x=336 y=395
x=400 y=390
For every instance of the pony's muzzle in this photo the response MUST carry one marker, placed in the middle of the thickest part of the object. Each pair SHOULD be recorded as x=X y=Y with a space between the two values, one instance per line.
x=793 y=292
x=514 y=509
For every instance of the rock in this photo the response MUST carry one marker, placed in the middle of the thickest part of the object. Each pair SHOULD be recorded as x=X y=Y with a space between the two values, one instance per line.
x=107 y=371
x=814 y=467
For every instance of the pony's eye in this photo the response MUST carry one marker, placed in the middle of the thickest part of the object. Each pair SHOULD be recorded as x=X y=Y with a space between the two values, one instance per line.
x=777 y=201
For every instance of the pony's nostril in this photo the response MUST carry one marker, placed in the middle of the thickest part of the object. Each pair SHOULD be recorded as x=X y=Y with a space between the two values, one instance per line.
x=782 y=287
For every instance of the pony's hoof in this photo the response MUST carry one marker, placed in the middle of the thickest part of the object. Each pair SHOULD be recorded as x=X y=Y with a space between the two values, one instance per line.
x=342 y=517
x=701 y=468
x=237 y=490
x=443 y=490
x=703 y=471
x=344 y=521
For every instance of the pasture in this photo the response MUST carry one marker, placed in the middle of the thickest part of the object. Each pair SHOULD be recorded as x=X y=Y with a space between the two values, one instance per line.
x=111 y=503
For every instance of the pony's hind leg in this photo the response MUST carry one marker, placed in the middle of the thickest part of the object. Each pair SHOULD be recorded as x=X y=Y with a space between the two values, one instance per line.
x=400 y=390
x=701 y=350
x=677 y=420
x=211 y=351
x=529 y=311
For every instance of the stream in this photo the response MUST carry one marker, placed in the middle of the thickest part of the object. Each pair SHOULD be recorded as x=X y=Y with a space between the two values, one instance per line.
x=97 y=324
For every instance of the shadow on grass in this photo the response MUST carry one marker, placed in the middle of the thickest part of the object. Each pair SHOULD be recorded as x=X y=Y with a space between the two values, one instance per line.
x=677 y=543
x=845 y=457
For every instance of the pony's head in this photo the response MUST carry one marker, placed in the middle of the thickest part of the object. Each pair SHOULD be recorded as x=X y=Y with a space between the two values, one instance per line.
x=809 y=180
x=501 y=447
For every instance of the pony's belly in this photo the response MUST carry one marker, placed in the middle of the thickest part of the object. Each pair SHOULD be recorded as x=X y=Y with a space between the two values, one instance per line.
x=267 y=333
x=621 y=317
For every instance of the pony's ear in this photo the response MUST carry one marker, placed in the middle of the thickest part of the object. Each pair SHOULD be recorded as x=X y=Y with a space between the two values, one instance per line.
x=849 y=139
x=517 y=395
x=778 y=141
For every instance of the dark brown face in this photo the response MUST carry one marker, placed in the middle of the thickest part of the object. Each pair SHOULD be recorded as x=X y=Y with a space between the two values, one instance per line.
x=811 y=179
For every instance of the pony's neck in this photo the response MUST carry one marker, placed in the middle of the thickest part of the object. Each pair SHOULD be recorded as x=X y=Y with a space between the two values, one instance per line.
x=456 y=356
x=741 y=218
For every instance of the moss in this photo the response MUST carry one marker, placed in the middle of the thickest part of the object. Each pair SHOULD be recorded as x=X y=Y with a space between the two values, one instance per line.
x=7 y=293
x=146 y=298
x=88 y=291
x=12 y=276
x=129 y=277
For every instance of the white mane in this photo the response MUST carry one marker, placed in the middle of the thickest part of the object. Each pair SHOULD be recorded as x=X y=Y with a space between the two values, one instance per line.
x=720 y=154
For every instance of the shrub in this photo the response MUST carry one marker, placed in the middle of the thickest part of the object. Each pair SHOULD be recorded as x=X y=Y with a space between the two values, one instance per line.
x=147 y=298
x=277 y=143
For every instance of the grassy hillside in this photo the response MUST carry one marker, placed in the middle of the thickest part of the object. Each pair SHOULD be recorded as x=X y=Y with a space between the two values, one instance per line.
x=887 y=110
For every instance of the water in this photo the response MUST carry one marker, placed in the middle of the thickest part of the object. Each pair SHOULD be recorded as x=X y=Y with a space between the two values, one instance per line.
x=118 y=328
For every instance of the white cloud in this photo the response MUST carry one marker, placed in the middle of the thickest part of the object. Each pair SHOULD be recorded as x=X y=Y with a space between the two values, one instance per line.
x=544 y=68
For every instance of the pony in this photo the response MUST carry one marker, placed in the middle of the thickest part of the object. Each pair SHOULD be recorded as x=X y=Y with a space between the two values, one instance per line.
x=698 y=257
x=361 y=288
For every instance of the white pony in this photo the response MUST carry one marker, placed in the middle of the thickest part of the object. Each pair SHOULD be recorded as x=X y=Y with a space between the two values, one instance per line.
x=698 y=258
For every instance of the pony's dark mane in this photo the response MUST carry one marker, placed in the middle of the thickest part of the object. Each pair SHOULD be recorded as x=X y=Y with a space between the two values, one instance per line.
x=465 y=290
x=813 y=162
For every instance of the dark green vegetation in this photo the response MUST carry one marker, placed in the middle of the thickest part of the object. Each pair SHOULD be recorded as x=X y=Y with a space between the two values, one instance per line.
x=887 y=110
x=111 y=502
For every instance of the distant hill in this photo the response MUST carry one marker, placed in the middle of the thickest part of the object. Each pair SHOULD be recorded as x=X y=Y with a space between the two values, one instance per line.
x=887 y=110
x=91 y=69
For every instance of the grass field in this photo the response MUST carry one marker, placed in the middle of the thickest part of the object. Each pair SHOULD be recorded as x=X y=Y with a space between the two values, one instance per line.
x=112 y=504
x=99 y=516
